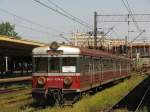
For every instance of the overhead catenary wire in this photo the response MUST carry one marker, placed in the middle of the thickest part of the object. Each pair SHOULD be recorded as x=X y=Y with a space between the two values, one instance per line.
x=63 y=10
x=127 y=6
x=63 y=14
x=47 y=28
x=137 y=36
x=28 y=21
x=104 y=35
x=134 y=20
x=33 y=29
x=65 y=38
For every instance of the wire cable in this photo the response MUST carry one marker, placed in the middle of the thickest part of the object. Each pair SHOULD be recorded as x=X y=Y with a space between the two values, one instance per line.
x=68 y=13
x=127 y=6
x=63 y=14
x=27 y=20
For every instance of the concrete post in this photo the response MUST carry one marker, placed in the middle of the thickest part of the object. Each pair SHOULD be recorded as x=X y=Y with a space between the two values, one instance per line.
x=6 y=64
x=11 y=65
x=1 y=67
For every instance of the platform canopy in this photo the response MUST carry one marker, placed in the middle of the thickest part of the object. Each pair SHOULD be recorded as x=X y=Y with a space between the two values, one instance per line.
x=11 y=46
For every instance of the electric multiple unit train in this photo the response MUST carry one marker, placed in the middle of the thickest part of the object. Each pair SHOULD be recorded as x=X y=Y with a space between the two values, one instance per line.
x=62 y=73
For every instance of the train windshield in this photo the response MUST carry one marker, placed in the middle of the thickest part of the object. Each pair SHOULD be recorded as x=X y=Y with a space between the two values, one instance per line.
x=41 y=65
x=55 y=64
x=62 y=64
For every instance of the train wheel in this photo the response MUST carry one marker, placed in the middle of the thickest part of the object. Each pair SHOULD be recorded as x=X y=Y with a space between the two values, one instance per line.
x=61 y=99
x=40 y=101
x=51 y=100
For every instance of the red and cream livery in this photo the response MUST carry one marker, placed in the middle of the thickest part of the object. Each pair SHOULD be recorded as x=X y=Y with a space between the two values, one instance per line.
x=62 y=73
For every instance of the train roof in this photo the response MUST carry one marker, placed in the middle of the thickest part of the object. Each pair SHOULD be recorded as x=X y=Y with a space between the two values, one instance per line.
x=67 y=50
x=73 y=50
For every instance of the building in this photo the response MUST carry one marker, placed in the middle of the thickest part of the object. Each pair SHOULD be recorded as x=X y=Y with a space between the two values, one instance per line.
x=139 y=50
x=117 y=42
x=87 y=40
x=139 y=53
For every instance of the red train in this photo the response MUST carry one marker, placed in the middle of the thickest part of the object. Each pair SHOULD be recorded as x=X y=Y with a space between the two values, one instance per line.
x=62 y=73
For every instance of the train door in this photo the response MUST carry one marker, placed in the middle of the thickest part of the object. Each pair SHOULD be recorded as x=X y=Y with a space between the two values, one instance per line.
x=120 y=63
x=94 y=71
x=100 y=70
x=91 y=70
x=114 y=68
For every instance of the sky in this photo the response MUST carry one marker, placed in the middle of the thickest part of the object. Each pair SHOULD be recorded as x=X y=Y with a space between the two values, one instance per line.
x=56 y=24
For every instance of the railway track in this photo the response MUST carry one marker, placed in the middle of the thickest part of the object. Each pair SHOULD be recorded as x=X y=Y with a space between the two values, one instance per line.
x=4 y=91
x=136 y=99
x=144 y=100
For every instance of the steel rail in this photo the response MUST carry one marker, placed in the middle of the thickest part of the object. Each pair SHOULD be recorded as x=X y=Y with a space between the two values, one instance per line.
x=138 y=107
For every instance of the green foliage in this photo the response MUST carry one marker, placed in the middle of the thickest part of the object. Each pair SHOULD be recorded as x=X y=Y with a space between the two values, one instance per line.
x=7 y=29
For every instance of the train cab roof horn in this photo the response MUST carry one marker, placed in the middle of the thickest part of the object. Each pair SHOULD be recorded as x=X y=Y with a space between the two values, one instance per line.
x=54 y=45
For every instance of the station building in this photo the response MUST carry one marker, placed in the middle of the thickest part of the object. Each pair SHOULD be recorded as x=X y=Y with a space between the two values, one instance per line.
x=16 y=56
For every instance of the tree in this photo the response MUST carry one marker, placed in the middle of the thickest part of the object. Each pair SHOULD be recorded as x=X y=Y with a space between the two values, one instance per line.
x=7 y=29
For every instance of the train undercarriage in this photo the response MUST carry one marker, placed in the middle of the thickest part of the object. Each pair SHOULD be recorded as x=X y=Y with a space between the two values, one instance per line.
x=55 y=96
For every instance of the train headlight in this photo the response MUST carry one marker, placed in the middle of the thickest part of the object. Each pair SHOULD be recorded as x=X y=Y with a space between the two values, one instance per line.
x=67 y=80
x=41 y=80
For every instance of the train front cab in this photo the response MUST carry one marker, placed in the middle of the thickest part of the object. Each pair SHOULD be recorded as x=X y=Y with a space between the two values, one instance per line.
x=55 y=77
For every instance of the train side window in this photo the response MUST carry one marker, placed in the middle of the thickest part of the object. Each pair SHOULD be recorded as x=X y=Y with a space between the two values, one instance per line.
x=85 y=65
x=118 y=66
x=123 y=65
x=82 y=65
x=114 y=65
x=96 y=65
x=107 y=64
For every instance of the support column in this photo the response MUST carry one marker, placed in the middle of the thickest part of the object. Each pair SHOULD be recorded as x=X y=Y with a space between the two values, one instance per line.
x=1 y=67
x=148 y=51
x=95 y=30
x=6 y=64
x=21 y=66
x=27 y=67
x=26 y=64
x=11 y=64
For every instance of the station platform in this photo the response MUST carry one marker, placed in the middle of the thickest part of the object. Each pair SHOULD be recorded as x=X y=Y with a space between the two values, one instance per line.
x=15 y=79
x=16 y=55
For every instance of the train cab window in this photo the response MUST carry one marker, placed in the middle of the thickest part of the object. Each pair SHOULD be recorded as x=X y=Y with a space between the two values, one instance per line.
x=40 y=65
x=69 y=64
x=54 y=64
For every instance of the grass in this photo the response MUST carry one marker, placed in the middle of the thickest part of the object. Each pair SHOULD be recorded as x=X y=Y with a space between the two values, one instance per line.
x=13 y=86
